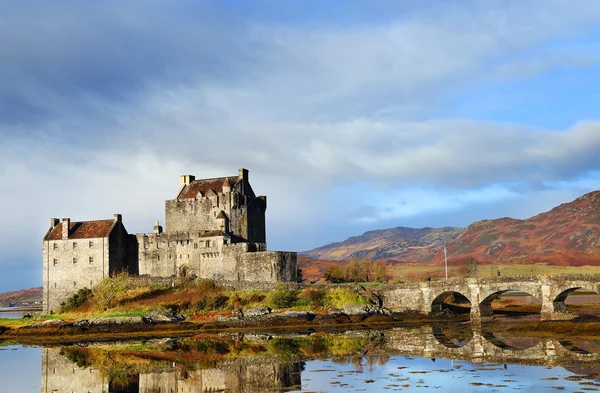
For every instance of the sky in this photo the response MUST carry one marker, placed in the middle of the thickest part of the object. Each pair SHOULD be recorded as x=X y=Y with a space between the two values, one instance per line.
x=350 y=115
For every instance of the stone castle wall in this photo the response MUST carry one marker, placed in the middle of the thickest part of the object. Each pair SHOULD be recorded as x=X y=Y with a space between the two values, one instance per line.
x=63 y=276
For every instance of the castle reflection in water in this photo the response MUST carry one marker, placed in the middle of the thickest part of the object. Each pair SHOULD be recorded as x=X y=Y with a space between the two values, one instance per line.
x=64 y=372
x=60 y=374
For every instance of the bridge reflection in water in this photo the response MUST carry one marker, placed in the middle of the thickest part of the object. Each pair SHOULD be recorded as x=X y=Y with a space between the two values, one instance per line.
x=67 y=370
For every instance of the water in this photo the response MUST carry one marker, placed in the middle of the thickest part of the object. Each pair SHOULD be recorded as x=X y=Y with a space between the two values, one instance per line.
x=436 y=358
x=9 y=313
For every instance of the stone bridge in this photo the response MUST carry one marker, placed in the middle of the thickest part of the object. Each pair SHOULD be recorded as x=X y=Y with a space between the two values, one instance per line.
x=480 y=346
x=428 y=297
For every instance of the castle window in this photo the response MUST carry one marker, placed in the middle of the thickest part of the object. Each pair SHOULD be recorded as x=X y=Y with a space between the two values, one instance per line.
x=158 y=257
x=169 y=256
x=195 y=246
x=55 y=246
x=91 y=244
x=146 y=245
x=74 y=244
x=157 y=245
x=91 y=259
x=170 y=244
x=55 y=262
x=188 y=256
x=54 y=285
x=74 y=261
x=208 y=243
x=184 y=243
x=91 y=283
x=74 y=283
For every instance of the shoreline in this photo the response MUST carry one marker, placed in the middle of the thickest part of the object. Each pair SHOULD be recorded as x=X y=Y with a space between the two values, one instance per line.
x=59 y=332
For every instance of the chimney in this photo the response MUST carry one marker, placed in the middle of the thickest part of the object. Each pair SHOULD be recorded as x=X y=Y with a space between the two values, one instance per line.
x=187 y=179
x=54 y=222
x=157 y=228
x=66 y=225
x=118 y=218
x=243 y=174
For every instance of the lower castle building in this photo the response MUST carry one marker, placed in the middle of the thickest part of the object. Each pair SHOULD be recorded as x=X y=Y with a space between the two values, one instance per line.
x=214 y=229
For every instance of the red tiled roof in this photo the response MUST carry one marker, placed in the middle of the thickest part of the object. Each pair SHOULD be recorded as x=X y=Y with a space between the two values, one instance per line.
x=205 y=185
x=83 y=230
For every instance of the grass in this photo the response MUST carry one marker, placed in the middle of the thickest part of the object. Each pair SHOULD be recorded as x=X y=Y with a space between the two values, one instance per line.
x=419 y=273
x=204 y=299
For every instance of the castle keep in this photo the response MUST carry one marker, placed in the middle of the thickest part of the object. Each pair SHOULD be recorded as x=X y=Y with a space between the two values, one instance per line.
x=214 y=229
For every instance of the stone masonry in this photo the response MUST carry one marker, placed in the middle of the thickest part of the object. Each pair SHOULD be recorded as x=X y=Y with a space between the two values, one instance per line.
x=215 y=229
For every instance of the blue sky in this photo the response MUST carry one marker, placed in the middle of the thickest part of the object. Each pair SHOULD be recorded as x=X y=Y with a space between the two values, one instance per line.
x=350 y=116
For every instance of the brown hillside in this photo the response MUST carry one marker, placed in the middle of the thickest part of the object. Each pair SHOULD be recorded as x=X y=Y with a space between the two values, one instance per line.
x=566 y=235
x=24 y=295
x=400 y=244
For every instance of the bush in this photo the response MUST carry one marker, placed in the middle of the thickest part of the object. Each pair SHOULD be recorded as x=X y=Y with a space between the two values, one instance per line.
x=211 y=301
x=311 y=297
x=340 y=297
x=282 y=298
x=76 y=300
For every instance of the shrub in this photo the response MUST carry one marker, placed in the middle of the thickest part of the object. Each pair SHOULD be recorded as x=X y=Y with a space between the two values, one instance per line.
x=282 y=298
x=340 y=297
x=211 y=301
x=76 y=300
x=312 y=297
x=110 y=287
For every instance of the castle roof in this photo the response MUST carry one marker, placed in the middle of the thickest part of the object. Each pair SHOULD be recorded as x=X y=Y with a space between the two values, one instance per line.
x=213 y=234
x=83 y=230
x=205 y=185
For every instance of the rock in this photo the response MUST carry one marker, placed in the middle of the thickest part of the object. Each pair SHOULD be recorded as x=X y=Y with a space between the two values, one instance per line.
x=305 y=315
x=256 y=312
x=234 y=316
x=162 y=317
x=258 y=337
x=355 y=311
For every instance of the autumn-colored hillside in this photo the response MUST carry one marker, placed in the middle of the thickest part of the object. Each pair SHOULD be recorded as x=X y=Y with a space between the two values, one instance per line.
x=25 y=295
x=401 y=244
x=566 y=235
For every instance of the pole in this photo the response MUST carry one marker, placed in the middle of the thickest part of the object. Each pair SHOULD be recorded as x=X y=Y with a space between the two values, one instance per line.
x=446 y=260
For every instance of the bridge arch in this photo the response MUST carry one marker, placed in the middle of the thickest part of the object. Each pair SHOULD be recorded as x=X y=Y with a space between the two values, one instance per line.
x=451 y=300
x=485 y=306
x=558 y=303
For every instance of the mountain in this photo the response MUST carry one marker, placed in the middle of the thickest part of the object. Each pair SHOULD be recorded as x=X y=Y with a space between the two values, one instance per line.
x=25 y=295
x=401 y=243
x=569 y=234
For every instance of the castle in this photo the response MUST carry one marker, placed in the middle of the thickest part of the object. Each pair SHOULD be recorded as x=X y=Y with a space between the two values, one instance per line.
x=214 y=229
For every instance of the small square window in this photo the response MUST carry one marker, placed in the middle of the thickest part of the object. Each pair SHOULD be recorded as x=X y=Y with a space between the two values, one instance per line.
x=55 y=246
x=91 y=244
x=74 y=261
x=74 y=244
x=55 y=262
x=170 y=244
x=91 y=259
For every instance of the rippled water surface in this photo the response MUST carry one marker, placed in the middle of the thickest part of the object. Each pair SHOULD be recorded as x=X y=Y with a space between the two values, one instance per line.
x=426 y=358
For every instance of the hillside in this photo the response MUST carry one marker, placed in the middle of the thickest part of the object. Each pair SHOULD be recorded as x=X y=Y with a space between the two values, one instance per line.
x=25 y=295
x=401 y=243
x=569 y=235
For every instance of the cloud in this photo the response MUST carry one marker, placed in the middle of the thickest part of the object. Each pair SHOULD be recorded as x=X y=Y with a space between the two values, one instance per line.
x=342 y=118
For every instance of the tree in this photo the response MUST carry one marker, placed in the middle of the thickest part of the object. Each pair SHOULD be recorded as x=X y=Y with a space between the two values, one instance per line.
x=379 y=272
x=110 y=287
x=468 y=267
x=335 y=274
